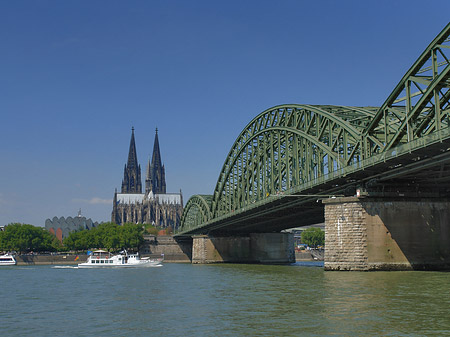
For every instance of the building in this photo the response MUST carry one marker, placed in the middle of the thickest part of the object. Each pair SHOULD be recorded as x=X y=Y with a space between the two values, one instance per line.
x=62 y=227
x=154 y=206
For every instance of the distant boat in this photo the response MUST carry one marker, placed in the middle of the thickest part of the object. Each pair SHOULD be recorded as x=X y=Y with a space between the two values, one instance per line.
x=103 y=259
x=7 y=260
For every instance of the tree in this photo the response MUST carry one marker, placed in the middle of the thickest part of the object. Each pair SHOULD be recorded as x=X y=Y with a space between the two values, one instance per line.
x=78 y=240
x=107 y=235
x=150 y=229
x=131 y=235
x=25 y=238
x=313 y=237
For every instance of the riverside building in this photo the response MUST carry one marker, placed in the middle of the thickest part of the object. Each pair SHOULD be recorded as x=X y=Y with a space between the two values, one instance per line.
x=62 y=227
x=155 y=206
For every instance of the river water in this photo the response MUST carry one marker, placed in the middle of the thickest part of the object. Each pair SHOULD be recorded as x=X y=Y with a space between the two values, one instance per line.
x=222 y=300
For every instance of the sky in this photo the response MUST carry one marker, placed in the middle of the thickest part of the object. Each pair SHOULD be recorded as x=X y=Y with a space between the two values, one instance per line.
x=76 y=76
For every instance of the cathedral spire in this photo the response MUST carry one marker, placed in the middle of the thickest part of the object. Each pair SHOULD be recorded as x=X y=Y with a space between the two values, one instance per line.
x=132 y=156
x=131 y=182
x=156 y=158
x=156 y=178
x=148 y=178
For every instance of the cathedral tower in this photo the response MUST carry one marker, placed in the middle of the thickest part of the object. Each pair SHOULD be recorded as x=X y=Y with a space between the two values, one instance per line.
x=131 y=182
x=156 y=176
x=156 y=206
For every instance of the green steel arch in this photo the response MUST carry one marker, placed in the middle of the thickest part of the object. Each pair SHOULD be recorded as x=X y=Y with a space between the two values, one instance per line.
x=196 y=211
x=283 y=147
x=419 y=104
x=288 y=147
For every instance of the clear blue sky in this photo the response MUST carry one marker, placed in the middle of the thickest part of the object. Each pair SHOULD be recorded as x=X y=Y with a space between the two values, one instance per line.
x=77 y=75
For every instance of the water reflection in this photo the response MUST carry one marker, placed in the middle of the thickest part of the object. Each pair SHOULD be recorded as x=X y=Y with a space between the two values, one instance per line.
x=386 y=303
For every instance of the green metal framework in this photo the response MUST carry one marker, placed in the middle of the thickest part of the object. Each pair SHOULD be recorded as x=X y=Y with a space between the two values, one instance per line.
x=283 y=147
x=289 y=148
x=419 y=104
x=196 y=212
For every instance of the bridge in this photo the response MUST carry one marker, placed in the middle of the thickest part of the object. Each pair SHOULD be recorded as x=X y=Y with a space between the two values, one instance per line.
x=293 y=159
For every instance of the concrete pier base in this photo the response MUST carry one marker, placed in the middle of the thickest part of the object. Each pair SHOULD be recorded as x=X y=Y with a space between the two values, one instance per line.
x=387 y=234
x=270 y=248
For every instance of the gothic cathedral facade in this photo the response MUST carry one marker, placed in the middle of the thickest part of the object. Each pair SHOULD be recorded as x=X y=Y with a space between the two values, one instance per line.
x=155 y=206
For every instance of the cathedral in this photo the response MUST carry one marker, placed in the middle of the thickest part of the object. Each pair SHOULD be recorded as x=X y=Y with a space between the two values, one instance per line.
x=155 y=206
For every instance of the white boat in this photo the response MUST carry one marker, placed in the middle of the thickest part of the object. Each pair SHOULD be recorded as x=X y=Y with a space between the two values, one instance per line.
x=103 y=259
x=7 y=260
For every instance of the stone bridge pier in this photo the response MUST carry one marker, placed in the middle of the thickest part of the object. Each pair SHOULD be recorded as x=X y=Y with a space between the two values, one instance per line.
x=269 y=248
x=369 y=233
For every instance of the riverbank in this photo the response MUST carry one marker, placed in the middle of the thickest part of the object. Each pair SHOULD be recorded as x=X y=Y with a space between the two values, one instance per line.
x=71 y=259
x=67 y=259
x=171 y=255
x=309 y=255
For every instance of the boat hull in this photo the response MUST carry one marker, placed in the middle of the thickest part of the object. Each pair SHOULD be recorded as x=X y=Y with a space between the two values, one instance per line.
x=7 y=260
x=8 y=264
x=142 y=264
x=103 y=259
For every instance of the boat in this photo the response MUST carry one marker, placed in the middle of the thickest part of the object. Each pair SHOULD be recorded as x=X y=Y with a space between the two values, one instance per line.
x=103 y=259
x=7 y=260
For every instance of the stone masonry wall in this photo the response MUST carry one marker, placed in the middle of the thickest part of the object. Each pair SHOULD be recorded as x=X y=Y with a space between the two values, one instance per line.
x=387 y=234
x=199 y=250
x=255 y=248
x=173 y=251
x=345 y=236
x=50 y=259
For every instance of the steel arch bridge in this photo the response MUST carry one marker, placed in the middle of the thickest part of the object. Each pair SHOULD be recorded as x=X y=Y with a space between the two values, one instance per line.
x=289 y=156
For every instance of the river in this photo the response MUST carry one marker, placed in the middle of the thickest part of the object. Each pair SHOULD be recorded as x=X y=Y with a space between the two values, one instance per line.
x=222 y=300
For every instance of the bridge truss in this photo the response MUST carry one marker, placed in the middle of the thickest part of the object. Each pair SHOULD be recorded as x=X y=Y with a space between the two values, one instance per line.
x=289 y=156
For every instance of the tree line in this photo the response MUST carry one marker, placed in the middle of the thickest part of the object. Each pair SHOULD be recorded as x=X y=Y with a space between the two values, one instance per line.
x=313 y=237
x=108 y=236
x=25 y=238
